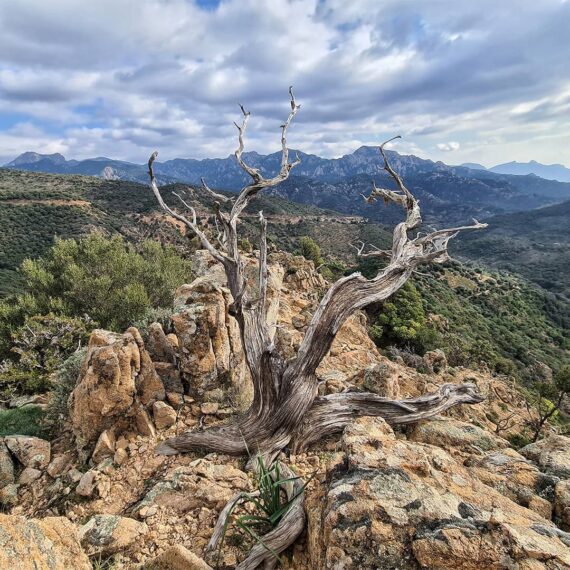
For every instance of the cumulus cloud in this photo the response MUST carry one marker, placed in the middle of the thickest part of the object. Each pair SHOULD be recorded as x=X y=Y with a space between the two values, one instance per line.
x=449 y=146
x=119 y=77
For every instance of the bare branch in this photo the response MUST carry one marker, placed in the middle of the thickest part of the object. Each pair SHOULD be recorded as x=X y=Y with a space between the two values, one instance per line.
x=259 y=183
x=219 y=197
x=263 y=272
x=190 y=224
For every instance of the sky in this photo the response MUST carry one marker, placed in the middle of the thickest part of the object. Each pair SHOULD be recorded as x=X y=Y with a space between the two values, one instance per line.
x=485 y=81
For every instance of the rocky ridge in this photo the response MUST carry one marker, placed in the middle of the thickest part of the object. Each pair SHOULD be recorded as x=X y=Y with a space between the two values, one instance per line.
x=446 y=493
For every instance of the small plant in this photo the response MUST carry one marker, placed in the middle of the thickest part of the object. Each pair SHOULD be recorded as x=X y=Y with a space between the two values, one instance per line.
x=27 y=420
x=269 y=504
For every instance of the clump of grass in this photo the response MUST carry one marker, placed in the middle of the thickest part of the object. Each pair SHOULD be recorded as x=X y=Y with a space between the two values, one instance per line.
x=269 y=504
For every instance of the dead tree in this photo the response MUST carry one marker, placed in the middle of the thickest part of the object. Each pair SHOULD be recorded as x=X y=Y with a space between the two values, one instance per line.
x=286 y=411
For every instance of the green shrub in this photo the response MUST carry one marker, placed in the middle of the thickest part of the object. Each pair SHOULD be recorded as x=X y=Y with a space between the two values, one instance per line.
x=107 y=279
x=518 y=440
x=310 y=250
x=65 y=381
x=27 y=420
x=38 y=348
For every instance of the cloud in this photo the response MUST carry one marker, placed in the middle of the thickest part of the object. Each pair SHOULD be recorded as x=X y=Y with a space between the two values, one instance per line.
x=487 y=81
x=449 y=146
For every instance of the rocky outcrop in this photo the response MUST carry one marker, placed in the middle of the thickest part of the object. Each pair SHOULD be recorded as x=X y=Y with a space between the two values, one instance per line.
x=454 y=433
x=47 y=544
x=118 y=380
x=106 y=389
x=210 y=345
x=106 y=535
x=392 y=503
x=551 y=454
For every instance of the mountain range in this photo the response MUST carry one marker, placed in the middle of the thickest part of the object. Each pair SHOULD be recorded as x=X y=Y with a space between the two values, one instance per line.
x=449 y=194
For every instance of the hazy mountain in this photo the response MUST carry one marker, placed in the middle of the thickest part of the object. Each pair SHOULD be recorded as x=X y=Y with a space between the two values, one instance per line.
x=449 y=194
x=473 y=166
x=548 y=171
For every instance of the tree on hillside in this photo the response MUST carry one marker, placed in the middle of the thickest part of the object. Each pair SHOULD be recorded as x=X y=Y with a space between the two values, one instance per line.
x=310 y=250
x=286 y=411
x=547 y=398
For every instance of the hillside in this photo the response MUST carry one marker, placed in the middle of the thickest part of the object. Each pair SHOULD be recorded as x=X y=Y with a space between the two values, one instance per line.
x=439 y=488
x=535 y=244
x=448 y=194
x=34 y=207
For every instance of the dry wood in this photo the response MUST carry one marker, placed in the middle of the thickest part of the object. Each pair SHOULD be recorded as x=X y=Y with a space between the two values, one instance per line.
x=285 y=409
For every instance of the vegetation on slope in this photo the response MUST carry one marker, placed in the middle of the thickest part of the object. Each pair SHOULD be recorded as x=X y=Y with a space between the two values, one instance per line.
x=535 y=244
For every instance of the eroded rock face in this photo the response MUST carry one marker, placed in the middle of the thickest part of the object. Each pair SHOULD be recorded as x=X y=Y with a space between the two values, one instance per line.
x=551 y=454
x=47 y=544
x=392 y=503
x=117 y=380
x=106 y=389
x=210 y=345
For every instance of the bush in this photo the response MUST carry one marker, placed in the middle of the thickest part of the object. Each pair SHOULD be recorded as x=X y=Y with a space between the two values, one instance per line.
x=518 y=440
x=27 y=420
x=65 y=381
x=38 y=348
x=107 y=279
x=310 y=250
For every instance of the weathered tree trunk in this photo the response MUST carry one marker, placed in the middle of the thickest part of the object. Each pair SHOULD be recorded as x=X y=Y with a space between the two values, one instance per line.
x=286 y=410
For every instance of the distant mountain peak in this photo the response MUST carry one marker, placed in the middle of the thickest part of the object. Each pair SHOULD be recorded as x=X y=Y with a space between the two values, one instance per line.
x=30 y=157
x=548 y=171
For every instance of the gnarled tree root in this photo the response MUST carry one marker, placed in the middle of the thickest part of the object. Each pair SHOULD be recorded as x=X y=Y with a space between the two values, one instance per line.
x=326 y=416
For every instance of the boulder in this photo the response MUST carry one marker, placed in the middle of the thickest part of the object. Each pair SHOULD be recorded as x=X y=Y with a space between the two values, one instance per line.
x=381 y=380
x=435 y=360
x=164 y=415
x=177 y=558
x=449 y=432
x=87 y=483
x=392 y=503
x=46 y=544
x=202 y=484
x=106 y=388
x=6 y=466
x=9 y=495
x=29 y=475
x=29 y=451
x=106 y=535
x=144 y=423
x=159 y=346
x=105 y=447
x=551 y=454
x=58 y=465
